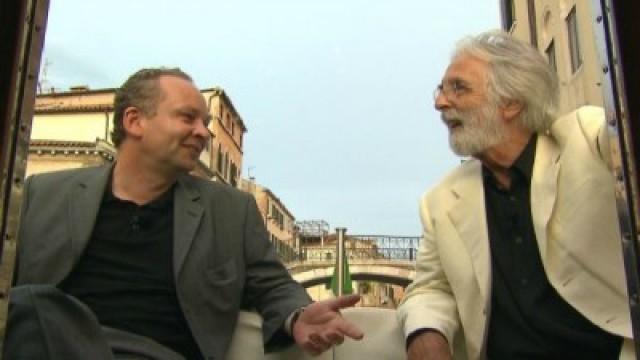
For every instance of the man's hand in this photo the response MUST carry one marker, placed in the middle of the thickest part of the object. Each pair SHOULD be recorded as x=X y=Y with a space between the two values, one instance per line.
x=430 y=345
x=321 y=326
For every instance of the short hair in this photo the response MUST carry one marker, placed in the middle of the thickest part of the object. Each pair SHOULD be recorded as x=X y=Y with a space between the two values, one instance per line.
x=141 y=90
x=517 y=71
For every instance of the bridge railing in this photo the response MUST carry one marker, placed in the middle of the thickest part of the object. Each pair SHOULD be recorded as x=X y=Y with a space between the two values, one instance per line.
x=360 y=247
x=318 y=253
x=388 y=241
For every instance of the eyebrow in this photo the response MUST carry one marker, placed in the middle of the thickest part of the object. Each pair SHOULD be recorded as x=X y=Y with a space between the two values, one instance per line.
x=458 y=80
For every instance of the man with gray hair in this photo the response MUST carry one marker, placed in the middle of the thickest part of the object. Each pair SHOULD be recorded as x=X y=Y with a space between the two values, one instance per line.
x=521 y=256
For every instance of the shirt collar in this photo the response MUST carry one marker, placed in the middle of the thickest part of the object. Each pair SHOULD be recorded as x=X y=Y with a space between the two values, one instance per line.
x=524 y=162
x=162 y=201
x=523 y=166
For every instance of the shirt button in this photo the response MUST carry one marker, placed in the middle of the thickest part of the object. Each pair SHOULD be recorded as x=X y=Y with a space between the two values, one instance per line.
x=512 y=198
x=524 y=281
x=518 y=240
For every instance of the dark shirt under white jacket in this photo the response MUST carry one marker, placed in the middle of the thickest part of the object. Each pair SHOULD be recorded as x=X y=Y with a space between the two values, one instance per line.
x=576 y=230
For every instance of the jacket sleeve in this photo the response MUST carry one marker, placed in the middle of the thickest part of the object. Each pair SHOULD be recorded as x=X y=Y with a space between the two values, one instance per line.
x=593 y=125
x=590 y=122
x=269 y=287
x=429 y=301
x=21 y=221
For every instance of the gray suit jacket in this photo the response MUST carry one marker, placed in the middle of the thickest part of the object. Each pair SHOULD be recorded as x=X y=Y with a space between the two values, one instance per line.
x=223 y=260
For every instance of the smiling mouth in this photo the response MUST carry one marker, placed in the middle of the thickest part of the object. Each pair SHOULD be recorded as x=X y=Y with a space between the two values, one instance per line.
x=194 y=148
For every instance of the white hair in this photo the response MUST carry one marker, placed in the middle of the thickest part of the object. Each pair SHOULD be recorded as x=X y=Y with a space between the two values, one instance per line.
x=517 y=72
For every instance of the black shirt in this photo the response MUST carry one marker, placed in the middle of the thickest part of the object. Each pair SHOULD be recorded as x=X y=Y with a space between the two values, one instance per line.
x=126 y=276
x=529 y=320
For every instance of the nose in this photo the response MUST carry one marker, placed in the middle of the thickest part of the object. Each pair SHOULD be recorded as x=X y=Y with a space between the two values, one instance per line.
x=202 y=131
x=441 y=102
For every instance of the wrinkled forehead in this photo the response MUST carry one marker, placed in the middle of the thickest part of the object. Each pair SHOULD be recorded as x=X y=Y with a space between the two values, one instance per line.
x=468 y=68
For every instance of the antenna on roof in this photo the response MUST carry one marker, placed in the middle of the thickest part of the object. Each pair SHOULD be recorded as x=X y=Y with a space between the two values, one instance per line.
x=42 y=80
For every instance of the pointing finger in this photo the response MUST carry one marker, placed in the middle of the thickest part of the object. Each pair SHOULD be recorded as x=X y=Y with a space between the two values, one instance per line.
x=343 y=301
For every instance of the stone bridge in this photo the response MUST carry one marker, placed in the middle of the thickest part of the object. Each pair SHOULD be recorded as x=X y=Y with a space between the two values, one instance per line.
x=316 y=272
x=379 y=258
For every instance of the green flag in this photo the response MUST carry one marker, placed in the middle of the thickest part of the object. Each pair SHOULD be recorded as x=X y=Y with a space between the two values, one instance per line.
x=347 y=287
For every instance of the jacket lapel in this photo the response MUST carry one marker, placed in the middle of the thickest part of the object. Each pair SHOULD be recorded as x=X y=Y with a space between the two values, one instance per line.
x=187 y=214
x=468 y=217
x=544 y=181
x=84 y=204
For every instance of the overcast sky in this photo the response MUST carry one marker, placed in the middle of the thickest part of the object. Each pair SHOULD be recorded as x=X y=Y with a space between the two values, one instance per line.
x=336 y=94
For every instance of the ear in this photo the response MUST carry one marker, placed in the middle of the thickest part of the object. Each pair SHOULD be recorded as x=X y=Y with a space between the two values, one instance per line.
x=511 y=109
x=132 y=122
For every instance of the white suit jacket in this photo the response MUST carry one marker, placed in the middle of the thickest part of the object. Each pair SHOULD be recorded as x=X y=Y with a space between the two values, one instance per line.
x=576 y=227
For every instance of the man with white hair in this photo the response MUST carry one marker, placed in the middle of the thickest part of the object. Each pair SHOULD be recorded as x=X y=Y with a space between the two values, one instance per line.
x=521 y=256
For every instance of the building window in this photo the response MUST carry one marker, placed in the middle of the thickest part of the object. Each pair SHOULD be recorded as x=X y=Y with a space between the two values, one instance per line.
x=276 y=216
x=219 y=159
x=551 y=55
x=508 y=14
x=574 y=45
x=533 y=33
x=232 y=175
x=225 y=167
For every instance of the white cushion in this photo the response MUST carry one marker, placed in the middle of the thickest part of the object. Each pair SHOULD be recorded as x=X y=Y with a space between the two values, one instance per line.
x=383 y=339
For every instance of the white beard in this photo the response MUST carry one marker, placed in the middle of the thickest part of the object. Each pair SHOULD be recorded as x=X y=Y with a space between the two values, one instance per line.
x=478 y=129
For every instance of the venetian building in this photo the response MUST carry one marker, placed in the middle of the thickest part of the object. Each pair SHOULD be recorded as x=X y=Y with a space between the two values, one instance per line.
x=278 y=220
x=563 y=30
x=71 y=129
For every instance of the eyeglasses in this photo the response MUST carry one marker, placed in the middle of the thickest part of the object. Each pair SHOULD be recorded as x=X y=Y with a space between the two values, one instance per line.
x=451 y=90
